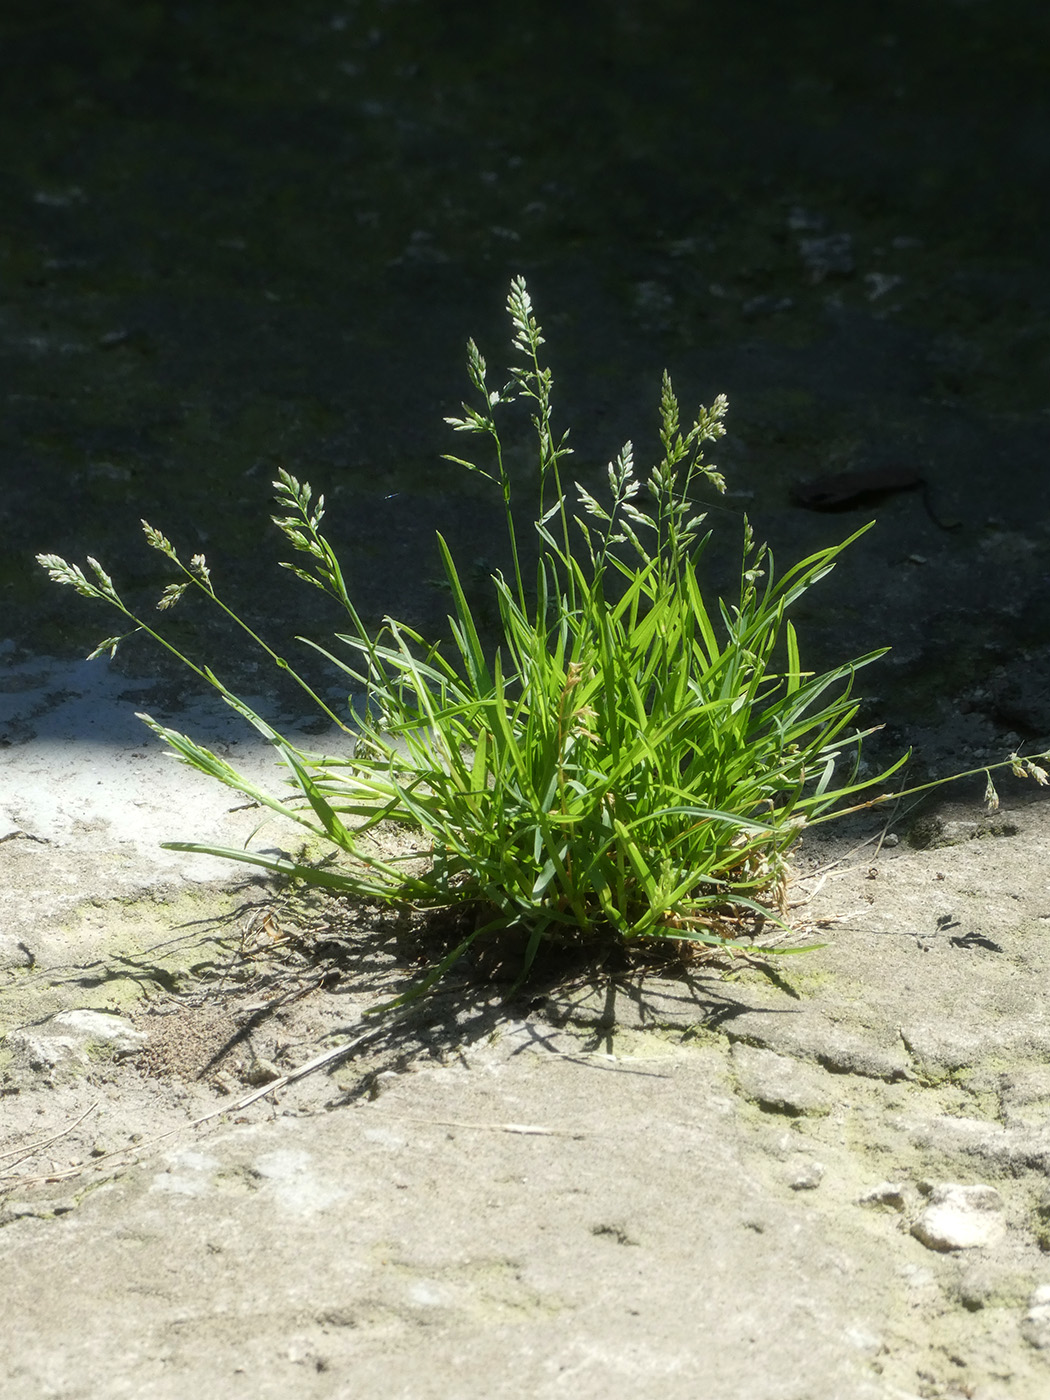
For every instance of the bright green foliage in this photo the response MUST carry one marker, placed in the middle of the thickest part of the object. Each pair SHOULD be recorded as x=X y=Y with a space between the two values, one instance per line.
x=630 y=763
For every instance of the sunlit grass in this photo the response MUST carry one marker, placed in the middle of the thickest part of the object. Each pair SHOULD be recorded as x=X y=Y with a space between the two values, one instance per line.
x=633 y=762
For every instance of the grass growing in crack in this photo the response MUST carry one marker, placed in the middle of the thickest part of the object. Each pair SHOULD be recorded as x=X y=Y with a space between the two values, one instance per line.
x=633 y=763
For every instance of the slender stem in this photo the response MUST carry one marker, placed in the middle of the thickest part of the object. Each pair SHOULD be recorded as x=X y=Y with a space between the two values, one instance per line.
x=910 y=792
x=508 y=511
x=278 y=661
x=158 y=637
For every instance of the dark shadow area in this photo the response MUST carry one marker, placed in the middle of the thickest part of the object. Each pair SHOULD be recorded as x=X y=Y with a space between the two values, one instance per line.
x=209 y=995
x=566 y=988
x=242 y=237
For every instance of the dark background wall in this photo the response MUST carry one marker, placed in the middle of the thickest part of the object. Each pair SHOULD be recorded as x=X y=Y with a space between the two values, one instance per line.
x=236 y=236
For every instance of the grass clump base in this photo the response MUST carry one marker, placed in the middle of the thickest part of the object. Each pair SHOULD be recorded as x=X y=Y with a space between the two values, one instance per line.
x=631 y=764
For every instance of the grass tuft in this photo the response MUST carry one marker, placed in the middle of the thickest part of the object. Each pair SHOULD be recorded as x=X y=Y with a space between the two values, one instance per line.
x=632 y=763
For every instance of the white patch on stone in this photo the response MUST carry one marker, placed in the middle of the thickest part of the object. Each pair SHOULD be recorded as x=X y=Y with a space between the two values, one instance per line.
x=426 y=1293
x=41 y=1052
x=295 y=1185
x=917 y=1276
x=385 y=1137
x=103 y=1026
x=189 y=1174
x=961 y=1217
x=64 y=1039
x=865 y=1340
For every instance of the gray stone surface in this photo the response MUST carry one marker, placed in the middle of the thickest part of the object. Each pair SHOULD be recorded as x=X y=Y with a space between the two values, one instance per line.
x=524 y=1192
x=779 y=1083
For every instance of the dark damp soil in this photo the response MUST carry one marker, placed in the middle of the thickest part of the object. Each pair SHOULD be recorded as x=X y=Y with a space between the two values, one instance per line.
x=241 y=237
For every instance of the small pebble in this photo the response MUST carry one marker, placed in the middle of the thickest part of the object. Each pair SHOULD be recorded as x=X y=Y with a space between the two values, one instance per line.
x=961 y=1217
x=1035 y=1325
x=808 y=1177
x=886 y=1193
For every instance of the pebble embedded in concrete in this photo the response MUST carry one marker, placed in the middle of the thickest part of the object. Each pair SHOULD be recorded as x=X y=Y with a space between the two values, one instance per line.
x=887 y=1193
x=101 y=1027
x=807 y=1177
x=13 y=952
x=961 y=1217
x=1035 y=1325
x=64 y=1039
